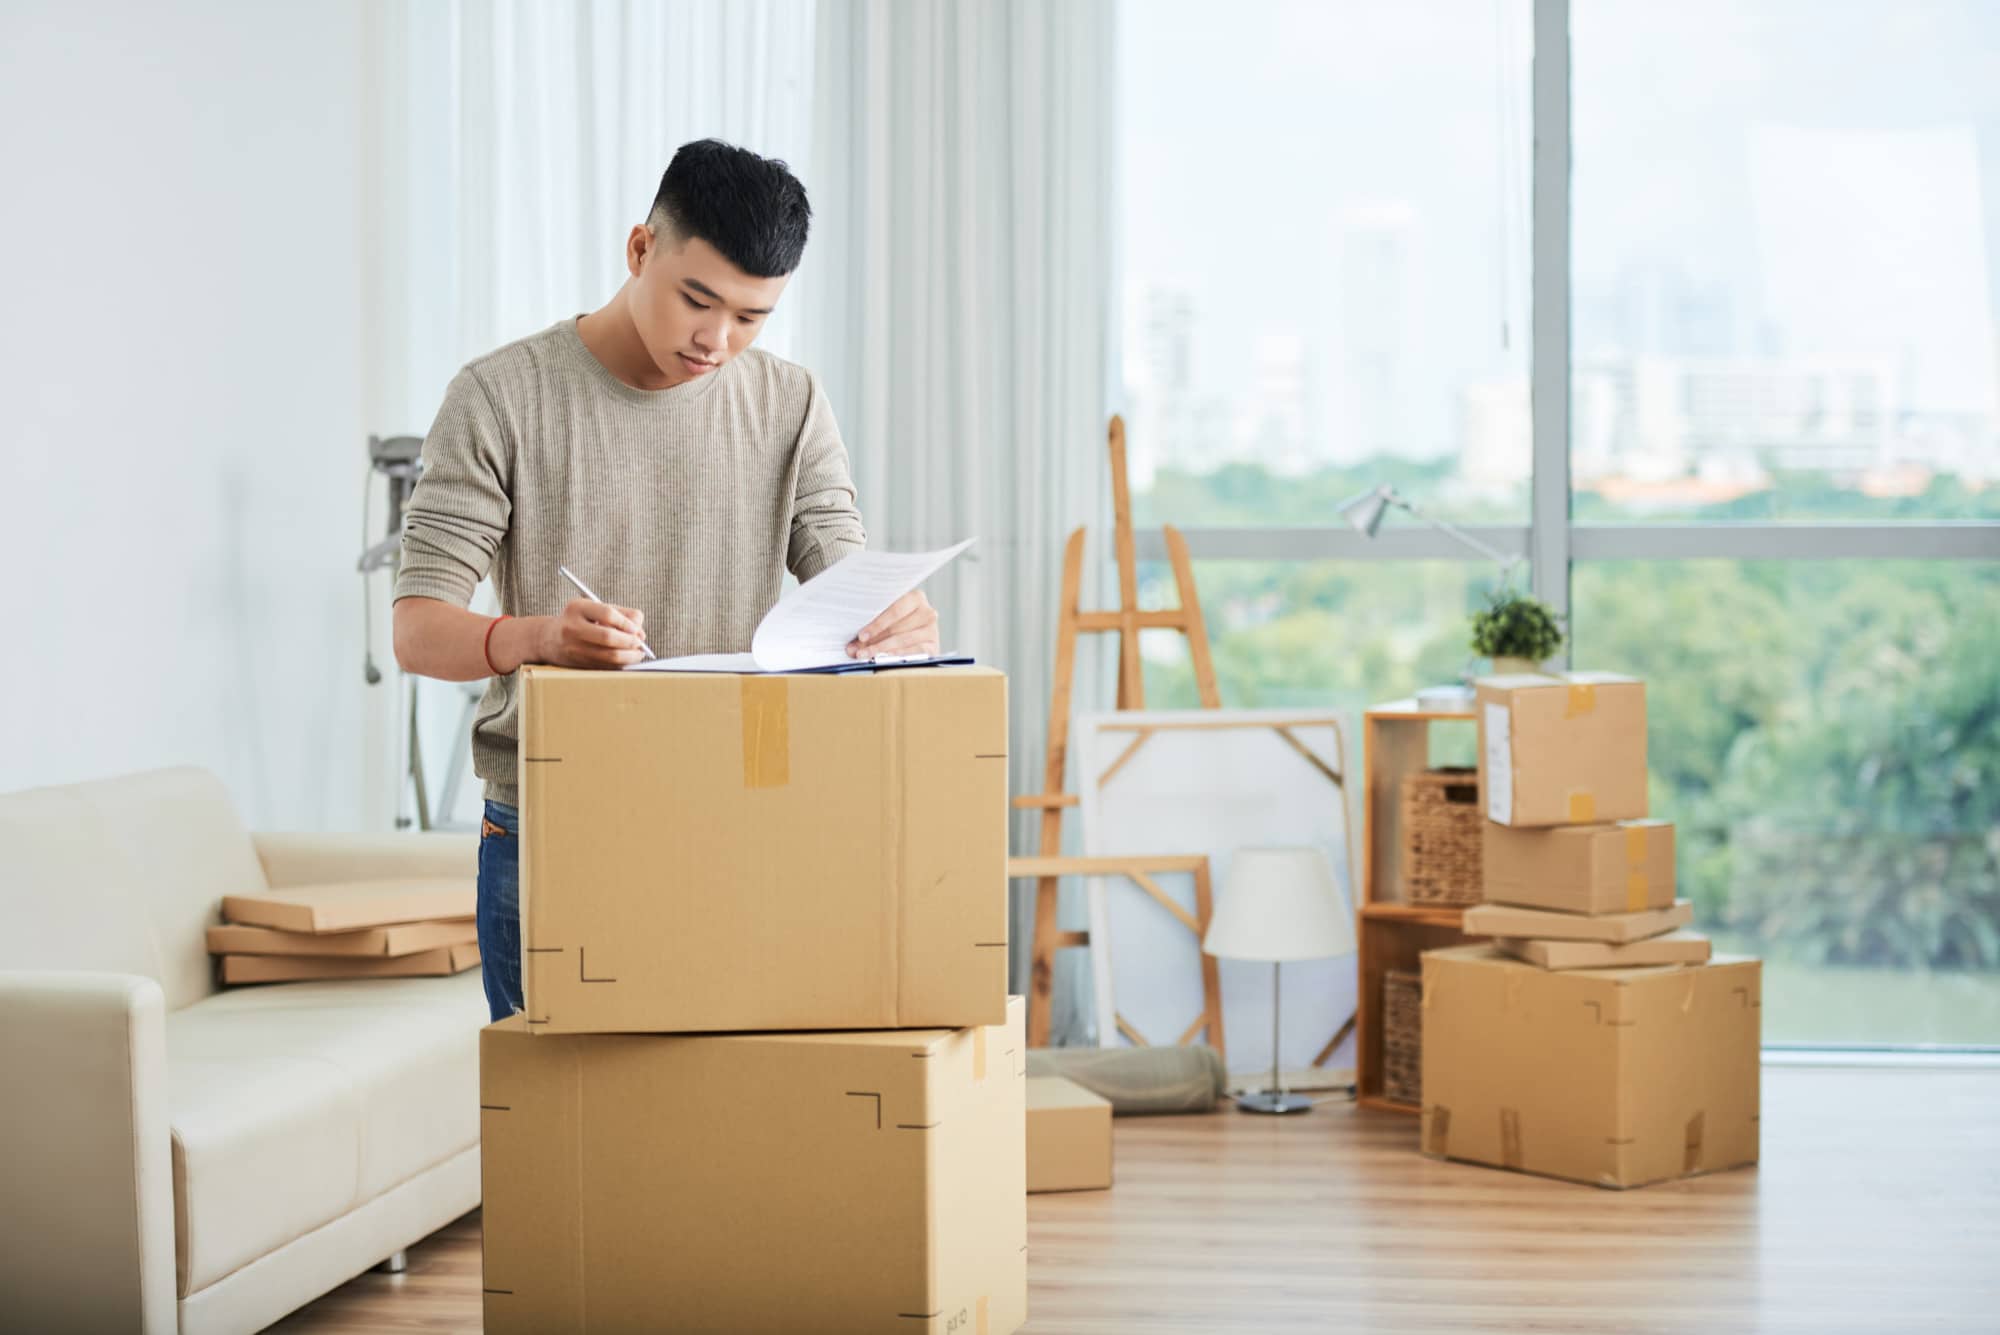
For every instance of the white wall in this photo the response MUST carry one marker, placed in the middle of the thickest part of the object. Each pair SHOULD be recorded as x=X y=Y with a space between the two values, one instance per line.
x=182 y=401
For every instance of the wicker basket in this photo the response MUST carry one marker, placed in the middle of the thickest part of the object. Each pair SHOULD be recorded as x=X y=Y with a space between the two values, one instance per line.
x=1403 y=1036
x=1441 y=819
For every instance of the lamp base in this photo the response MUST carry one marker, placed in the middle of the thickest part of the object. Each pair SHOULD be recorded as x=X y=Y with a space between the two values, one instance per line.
x=1271 y=1101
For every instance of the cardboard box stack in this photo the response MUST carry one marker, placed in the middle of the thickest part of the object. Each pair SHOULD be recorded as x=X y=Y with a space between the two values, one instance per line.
x=366 y=929
x=768 y=1076
x=1594 y=1039
x=1576 y=876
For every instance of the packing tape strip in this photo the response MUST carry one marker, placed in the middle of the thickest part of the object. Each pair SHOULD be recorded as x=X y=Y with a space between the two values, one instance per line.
x=1437 y=1130
x=1696 y=1129
x=1635 y=844
x=1582 y=700
x=984 y=1315
x=1582 y=806
x=1635 y=891
x=1510 y=1137
x=767 y=732
x=978 y=1055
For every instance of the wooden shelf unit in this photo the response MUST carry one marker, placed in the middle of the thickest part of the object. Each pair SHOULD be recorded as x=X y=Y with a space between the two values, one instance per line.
x=1393 y=934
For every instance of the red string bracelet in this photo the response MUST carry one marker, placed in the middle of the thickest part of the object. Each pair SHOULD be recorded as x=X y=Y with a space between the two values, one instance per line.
x=486 y=646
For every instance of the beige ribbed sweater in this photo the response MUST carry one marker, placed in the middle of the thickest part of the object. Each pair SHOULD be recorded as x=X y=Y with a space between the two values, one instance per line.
x=687 y=503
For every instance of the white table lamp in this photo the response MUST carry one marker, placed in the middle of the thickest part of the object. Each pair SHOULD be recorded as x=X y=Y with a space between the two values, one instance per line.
x=1279 y=904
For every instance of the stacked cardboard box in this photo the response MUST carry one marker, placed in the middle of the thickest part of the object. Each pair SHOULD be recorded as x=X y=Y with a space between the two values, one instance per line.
x=768 y=1076
x=366 y=929
x=1575 y=874
x=1594 y=1040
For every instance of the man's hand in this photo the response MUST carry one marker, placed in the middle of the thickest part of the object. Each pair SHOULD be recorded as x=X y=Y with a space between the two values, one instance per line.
x=909 y=626
x=591 y=635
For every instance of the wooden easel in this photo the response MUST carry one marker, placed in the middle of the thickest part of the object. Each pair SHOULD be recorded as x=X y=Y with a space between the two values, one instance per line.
x=1126 y=623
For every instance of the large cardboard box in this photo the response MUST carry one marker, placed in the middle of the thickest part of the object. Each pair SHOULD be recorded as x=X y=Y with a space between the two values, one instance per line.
x=706 y=852
x=352 y=905
x=1672 y=948
x=829 y=1182
x=1562 y=750
x=1616 y=1077
x=375 y=942
x=1613 y=868
x=1548 y=925
x=1069 y=1136
x=436 y=963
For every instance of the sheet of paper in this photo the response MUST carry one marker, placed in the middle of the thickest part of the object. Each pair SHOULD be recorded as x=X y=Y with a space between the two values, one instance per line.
x=812 y=624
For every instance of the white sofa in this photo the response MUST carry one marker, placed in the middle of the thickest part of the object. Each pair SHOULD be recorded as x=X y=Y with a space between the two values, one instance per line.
x=174 y=1157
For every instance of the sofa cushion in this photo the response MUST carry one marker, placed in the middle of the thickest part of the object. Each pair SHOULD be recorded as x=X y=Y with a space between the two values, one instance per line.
x=291 y=1103
x=123 y=875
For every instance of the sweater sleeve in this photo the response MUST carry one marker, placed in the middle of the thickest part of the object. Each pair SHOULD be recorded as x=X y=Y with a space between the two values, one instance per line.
x=459 y=511
x=826 y=525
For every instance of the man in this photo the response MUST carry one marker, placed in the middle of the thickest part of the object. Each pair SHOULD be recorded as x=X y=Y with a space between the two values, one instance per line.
x=646 y=447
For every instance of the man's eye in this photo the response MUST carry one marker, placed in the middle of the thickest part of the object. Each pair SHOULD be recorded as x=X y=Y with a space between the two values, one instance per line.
x=692 y=302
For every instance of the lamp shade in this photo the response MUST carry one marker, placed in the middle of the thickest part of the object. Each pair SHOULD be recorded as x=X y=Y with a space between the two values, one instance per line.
x=1280 y=904
x=1365 y=511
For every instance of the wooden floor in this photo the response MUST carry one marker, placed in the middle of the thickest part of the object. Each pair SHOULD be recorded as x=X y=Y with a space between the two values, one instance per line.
x=1876 y=1209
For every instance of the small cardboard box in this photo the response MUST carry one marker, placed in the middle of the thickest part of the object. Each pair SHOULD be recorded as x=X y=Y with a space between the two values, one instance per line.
x=1562 y=750
x=1673 y=948
x=351 y=905
x=1069 y=1136
x=1615 y=1077
x=436 y=963
x=1616 y=868
x=374 y=942
x=705 y=852
x=1546 y=925
x=755 y=1182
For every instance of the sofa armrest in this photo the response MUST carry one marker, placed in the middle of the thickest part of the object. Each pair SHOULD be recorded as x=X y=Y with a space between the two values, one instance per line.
x=321 y=859
x=87 y=1235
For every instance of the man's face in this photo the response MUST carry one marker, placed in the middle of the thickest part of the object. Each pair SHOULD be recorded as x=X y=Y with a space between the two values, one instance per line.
x=694 y=309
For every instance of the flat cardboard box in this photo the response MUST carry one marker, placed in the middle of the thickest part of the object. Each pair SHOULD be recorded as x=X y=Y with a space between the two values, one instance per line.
x=1615 y=1077
x=1562 y=750
x=438 y=963
x=351 y=905
x=707 y=852
x=817 y=1182
x=1069 y=1136
x=373 y=942
x=1547 y=925
x=1614 y=868
x=1673 y=948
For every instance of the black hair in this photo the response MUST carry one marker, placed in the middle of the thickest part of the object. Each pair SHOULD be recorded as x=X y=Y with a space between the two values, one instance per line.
x=750 y=208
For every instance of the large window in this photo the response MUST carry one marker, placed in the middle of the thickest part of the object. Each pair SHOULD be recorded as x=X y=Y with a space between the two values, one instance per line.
x=1323 y=255
x=1825 y=735
x=1782 y=282
x=1768 y=293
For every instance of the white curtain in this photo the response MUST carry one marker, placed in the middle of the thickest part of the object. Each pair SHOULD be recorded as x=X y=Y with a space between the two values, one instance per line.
x=519 y=142
x=957 y=301
x=956 y=293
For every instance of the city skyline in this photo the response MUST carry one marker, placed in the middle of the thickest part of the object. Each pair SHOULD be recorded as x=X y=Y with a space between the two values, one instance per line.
x=1845 y=326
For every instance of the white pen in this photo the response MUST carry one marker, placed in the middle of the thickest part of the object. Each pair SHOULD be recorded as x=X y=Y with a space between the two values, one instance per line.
x=582 y=589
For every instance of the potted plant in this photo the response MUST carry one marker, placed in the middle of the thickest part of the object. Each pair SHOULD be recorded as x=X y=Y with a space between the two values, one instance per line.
x=1516 y=631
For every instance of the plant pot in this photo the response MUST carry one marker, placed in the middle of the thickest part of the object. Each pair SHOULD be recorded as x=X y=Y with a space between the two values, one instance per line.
x=1509 y=667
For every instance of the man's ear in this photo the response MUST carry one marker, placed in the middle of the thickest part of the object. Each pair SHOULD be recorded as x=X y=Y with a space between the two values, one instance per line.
x=638 y=246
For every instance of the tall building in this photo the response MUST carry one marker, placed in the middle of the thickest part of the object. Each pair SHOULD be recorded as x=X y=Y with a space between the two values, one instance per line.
x=1376 y=325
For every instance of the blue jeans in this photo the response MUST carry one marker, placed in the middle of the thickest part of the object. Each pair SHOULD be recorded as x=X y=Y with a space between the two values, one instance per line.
x=499 y=911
